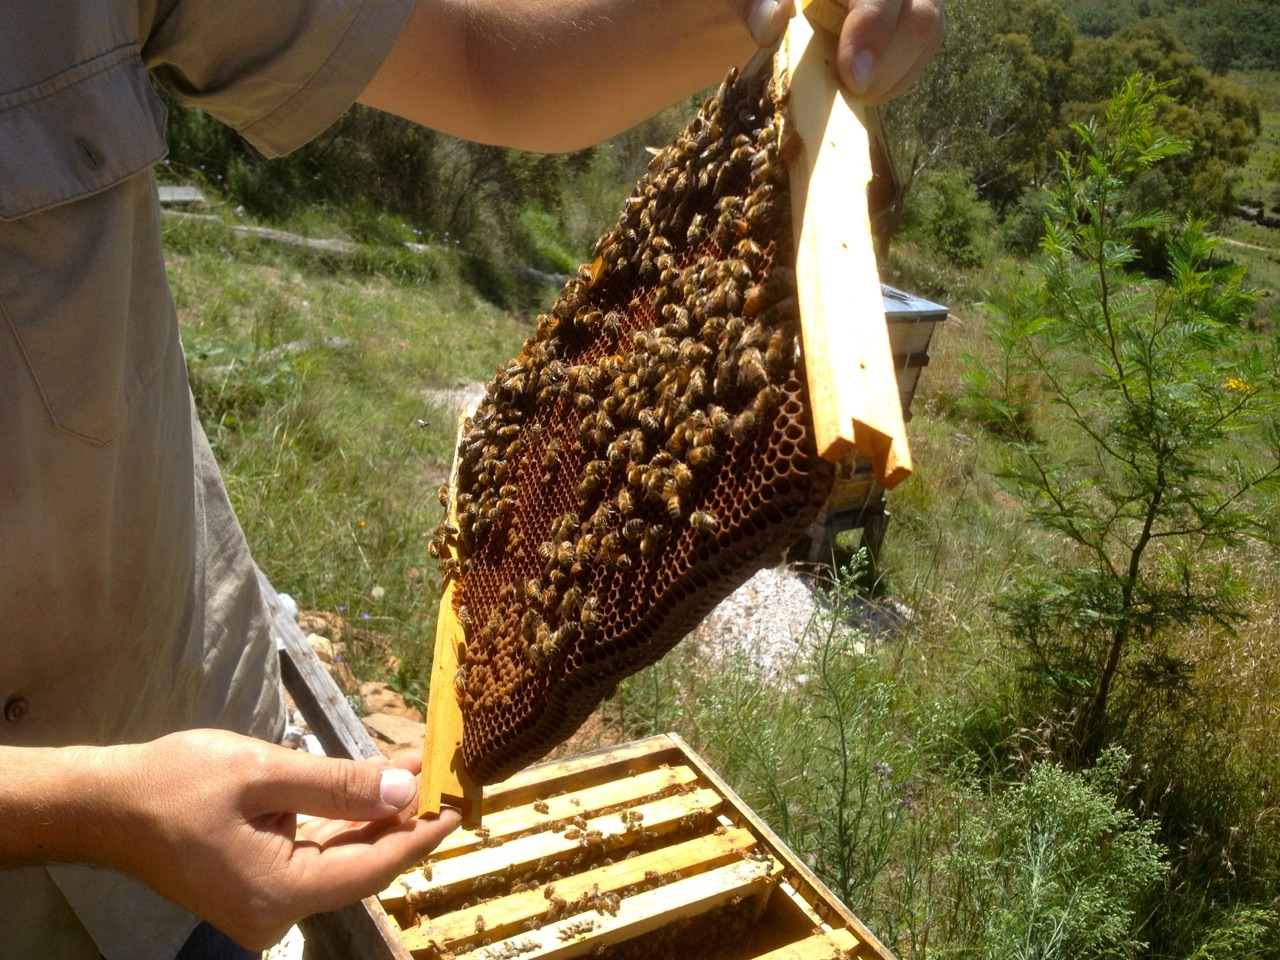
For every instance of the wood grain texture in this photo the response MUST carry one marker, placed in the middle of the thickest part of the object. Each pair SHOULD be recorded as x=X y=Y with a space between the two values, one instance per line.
x=444 y=779
x=853 y=389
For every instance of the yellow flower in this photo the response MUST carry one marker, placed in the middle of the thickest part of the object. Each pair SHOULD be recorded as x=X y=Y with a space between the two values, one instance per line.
x=1238 y=385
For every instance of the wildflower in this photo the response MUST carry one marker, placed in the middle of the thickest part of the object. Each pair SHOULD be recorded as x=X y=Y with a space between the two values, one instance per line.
x=360 y=523
x=884 y=769
x=1237 y=385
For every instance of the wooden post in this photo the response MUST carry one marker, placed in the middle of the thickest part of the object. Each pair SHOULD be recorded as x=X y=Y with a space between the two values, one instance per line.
x=853 y=390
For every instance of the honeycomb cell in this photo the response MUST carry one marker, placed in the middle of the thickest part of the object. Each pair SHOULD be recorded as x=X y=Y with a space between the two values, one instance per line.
x=660 y=402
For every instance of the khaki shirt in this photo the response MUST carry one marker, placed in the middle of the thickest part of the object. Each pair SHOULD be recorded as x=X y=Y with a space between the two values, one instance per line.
x=128 y=602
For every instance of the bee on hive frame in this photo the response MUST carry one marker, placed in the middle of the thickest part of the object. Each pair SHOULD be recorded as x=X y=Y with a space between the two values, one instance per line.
x=704 y=521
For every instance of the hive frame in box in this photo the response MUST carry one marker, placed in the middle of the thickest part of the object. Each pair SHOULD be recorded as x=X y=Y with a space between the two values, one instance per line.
x=366 y=931
x=471 y=894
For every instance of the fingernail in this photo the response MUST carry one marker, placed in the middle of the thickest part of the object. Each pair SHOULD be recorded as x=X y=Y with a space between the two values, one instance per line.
x=760 y=21
x=862 y=64
x=396 y=788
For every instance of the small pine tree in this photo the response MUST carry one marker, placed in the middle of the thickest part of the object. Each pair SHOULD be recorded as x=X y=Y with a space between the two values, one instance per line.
x=1141 y=419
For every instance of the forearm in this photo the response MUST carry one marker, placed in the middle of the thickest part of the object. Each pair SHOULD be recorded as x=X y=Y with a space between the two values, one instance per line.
x=54 y=804
x=554 y=74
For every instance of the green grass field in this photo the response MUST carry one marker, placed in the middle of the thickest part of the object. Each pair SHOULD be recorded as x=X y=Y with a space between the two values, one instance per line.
x=907 y=775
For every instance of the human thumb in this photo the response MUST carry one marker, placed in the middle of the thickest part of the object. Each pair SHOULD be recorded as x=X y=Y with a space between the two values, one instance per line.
x=339 y=789
x=766 y=19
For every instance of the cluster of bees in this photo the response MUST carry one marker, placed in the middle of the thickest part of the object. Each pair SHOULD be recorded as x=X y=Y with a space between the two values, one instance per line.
x=647 y=451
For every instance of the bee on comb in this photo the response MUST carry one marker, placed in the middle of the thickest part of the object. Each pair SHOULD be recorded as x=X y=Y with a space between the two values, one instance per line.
x=649 y=449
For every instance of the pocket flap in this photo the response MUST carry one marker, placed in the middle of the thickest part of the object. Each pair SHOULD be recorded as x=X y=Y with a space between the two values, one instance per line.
x=78 y=133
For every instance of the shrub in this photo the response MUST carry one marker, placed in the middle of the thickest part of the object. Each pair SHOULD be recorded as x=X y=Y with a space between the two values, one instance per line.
x=1141 y=417
x=945 y=215
x=1053 y=867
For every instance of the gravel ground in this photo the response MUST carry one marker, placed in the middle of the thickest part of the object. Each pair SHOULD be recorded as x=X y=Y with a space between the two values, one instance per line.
x=775 y=618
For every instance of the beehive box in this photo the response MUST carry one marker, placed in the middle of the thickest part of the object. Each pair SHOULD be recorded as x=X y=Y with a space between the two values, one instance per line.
x=857 y=501
x=634 y=851
x=666 y=860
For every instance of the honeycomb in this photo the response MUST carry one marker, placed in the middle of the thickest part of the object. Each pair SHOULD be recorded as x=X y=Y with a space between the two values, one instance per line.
x=649 y=449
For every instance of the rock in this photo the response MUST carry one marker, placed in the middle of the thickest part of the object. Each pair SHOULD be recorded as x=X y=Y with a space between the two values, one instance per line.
x=328 y=625
x=343 y=677
x=322 y=646
x=396 y=732
x=380 y=698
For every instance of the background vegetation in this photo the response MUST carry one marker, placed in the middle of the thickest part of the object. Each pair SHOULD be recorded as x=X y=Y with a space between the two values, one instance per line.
x=955 y=782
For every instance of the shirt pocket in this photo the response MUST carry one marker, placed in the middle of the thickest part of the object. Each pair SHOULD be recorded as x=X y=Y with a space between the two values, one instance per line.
x=82 y=286
x=82 y=131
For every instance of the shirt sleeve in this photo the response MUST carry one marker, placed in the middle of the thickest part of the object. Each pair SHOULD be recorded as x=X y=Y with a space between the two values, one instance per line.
x=279 y=72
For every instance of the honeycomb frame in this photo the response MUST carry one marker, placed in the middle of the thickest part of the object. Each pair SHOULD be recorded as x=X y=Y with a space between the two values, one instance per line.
x=647 y=452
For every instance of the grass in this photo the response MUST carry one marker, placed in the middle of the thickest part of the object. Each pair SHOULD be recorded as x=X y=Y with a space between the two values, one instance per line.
x=318 y=377
x=313 y=372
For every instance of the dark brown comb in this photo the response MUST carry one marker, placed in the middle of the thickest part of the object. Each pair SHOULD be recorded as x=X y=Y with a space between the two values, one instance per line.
x=647 y=451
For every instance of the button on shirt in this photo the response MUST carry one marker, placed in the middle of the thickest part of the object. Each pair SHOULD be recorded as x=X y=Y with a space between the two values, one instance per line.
x=129 y=607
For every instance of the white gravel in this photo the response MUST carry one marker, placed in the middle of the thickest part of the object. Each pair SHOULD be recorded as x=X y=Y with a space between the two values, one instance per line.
x=775 y=618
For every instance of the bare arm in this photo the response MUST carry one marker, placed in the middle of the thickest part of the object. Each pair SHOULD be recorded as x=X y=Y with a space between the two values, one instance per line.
x=208 y=819
x=553 y=74
x=562 y=74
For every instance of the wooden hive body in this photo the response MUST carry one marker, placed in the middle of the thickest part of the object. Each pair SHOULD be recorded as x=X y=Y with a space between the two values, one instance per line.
x=635 y=851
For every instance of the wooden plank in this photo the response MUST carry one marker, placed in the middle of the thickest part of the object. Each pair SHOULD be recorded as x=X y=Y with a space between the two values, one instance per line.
x=503 y=824
x=456 y=875
x=637 y=915
x=561 y=776
x=505 y=916
x=819 y=946
x=797 y=870
x=852 y=390
x=322 y=703
x=445 y=779
x=362 y=931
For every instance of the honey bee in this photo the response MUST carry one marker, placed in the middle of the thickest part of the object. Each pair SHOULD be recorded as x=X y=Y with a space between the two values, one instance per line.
x=553 y=373
x=564 y=526
x=633 y=529
x=571 y=602
x=586 y=548
x=619 y=451
x=743 y=425
x=624 y=500
x=589 y=614
x=439 y=545
x=751 y=371
x=704 y=521
x=541 y=806
x=703 y=456
x=551 y=455
x=442 y=495
x=672 y=498
x=682 y=476
x=765 y=401
x=593 y=477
